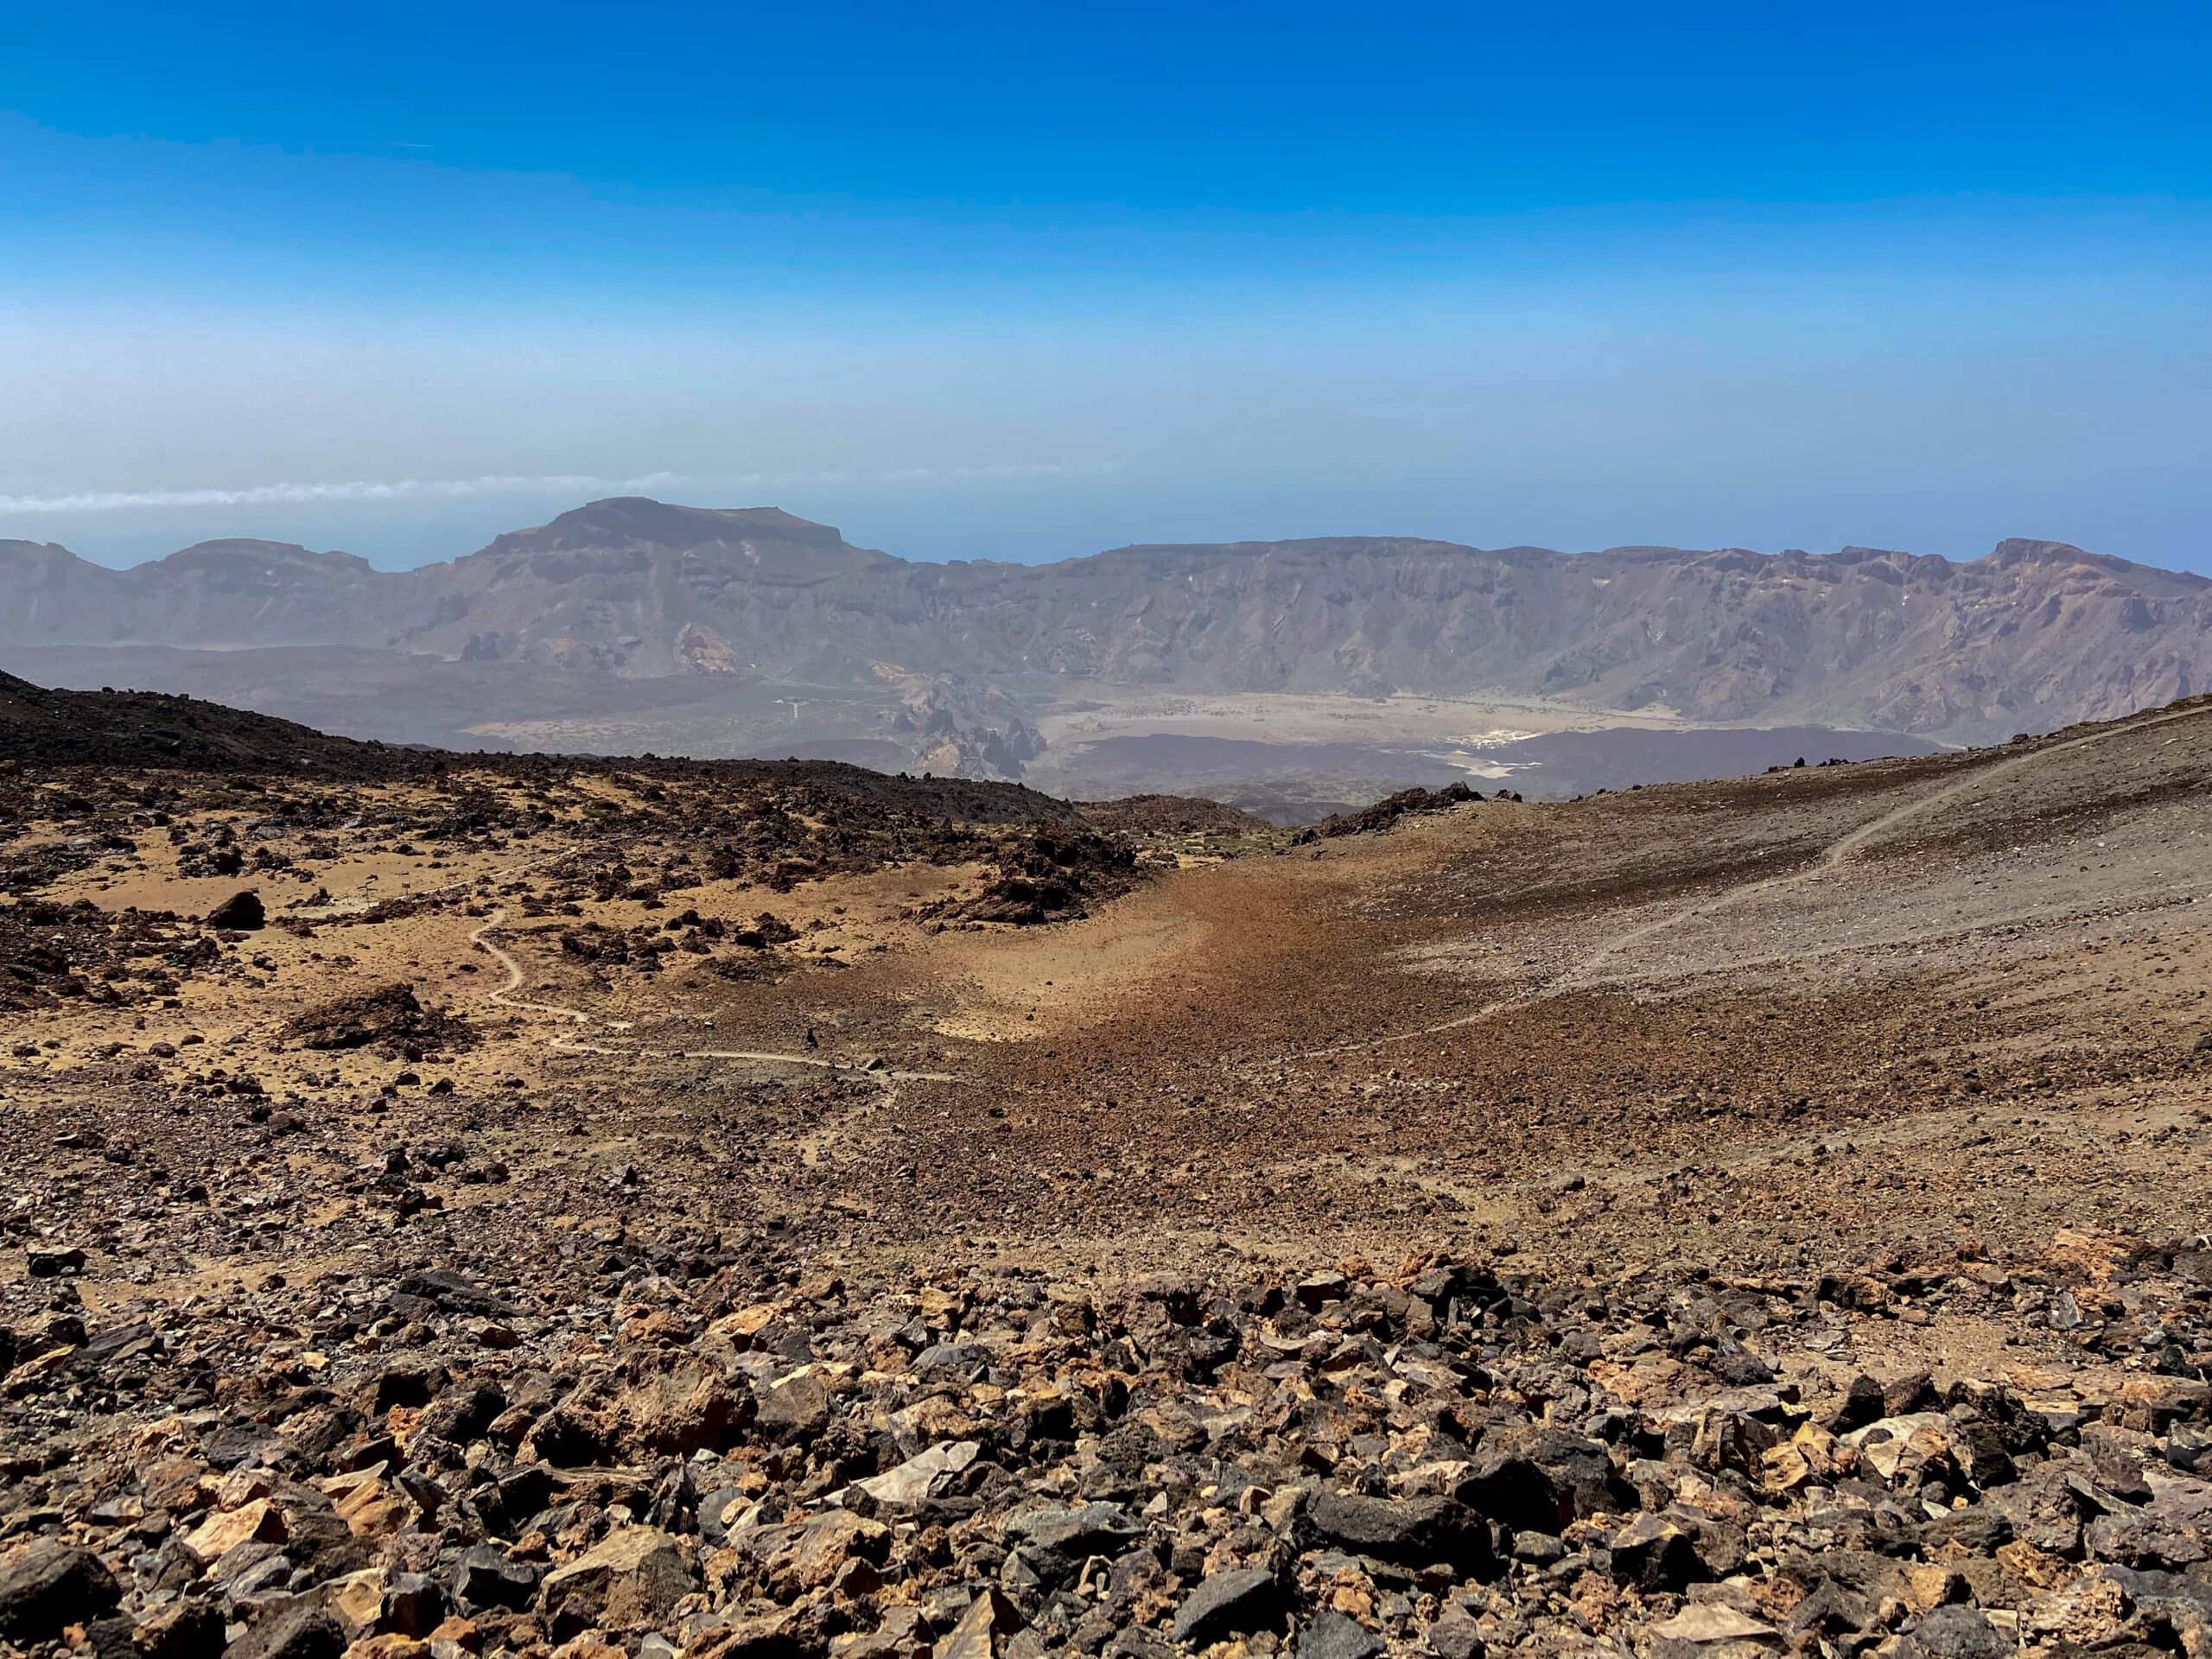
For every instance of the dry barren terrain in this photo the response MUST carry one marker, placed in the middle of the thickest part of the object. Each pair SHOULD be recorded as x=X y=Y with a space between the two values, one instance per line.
x=645 y=1207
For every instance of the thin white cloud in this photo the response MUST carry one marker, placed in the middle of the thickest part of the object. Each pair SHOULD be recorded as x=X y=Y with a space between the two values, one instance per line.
x=401 y=489
x=449 y=489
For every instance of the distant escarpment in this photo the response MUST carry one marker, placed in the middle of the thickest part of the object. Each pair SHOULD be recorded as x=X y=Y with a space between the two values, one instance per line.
x=2033 y=635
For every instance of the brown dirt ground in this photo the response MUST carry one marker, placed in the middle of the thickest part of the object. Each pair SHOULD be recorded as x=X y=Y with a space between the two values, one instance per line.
x=1752 y=1025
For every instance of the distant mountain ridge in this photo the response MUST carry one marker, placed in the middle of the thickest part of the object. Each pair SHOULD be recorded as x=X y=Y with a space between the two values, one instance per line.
x=2034 y=634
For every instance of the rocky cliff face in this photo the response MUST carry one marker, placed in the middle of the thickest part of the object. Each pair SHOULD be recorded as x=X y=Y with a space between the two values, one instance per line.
x=2035 y=633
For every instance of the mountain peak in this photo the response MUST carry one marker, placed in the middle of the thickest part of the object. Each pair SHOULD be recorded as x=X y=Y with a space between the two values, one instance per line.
x=640 y=521
x=2016 y=552
x=2026 y=550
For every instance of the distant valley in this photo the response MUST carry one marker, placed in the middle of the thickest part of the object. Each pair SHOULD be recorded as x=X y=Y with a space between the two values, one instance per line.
x=1291 y=676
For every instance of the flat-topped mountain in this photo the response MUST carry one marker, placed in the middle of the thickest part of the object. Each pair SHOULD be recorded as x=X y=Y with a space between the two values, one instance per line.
x=2034 y=634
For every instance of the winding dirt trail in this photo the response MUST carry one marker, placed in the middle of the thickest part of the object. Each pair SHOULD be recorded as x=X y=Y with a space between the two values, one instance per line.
x=1586 y=973
x=1839 y=851
x=505 y=996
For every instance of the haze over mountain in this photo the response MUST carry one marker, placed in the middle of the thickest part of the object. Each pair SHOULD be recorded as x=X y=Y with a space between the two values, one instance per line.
x=2035 y=634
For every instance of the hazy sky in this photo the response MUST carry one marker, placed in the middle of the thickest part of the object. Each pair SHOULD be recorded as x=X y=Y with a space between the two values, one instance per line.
x=1019 y=281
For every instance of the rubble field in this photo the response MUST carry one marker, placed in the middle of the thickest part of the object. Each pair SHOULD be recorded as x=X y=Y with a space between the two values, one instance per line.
x=463 y=1206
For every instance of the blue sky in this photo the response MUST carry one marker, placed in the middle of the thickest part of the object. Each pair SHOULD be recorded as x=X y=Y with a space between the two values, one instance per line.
x=1021 y=281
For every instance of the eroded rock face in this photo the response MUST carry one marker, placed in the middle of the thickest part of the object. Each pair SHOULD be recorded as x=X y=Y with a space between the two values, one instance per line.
x=640 y=588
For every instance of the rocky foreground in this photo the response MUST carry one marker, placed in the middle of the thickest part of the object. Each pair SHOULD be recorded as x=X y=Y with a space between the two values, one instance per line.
x=689 y=1445
x=658 y=1211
